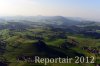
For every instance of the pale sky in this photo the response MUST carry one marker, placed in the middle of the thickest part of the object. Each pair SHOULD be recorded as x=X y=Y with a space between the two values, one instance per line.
x=72 y=8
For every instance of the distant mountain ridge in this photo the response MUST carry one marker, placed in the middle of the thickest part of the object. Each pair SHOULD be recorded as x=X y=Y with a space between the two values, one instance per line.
x=57 y=20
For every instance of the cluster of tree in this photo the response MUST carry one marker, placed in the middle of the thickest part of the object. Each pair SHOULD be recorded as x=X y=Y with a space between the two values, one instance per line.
x=92 y=34
x=3 y=45
x=94 y=50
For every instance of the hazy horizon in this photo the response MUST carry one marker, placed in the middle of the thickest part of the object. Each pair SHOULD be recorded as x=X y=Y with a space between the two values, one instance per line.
x=71 y=8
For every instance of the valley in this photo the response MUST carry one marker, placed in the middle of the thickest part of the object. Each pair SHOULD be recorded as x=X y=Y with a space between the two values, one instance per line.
x=48 y=37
